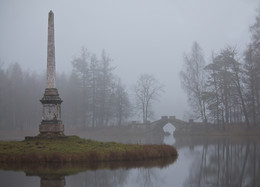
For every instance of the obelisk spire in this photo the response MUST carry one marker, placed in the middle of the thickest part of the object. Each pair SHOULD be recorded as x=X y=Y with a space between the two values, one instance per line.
x=51 y=75
x=51 y=117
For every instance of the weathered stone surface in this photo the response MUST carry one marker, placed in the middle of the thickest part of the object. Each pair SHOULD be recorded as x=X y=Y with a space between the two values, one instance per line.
x=51 y=74
x=51 y=114
x=51 y=96
x=164 y=117
x=172 y=117
x=51 y=92
x=51 y=128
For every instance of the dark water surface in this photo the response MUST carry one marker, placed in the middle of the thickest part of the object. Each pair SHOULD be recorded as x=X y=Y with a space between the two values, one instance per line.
x=202 y=161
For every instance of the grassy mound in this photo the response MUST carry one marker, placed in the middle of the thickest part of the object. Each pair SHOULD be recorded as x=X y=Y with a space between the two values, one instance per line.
x=75 y=149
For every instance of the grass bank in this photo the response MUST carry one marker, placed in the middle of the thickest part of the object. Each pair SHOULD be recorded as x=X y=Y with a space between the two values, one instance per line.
x=74 y=149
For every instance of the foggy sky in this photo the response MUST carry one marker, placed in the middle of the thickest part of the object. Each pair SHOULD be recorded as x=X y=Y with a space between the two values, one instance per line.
x=141 y=36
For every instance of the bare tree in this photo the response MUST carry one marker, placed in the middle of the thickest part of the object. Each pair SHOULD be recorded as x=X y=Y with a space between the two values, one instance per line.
x=81 y=67
x=99 y=88
x=3 y=103
x=147 y=90
x=193 y=80
x=122 y=106
x=105 y=90
x=94 y=73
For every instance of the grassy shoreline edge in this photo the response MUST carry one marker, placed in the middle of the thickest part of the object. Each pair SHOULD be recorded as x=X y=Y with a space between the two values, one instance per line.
x=74 y=149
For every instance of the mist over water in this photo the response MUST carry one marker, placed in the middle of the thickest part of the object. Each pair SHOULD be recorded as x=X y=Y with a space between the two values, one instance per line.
x=201 y=161
x=103 y=50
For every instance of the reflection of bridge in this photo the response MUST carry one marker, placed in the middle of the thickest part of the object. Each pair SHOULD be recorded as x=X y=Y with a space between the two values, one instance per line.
x=157 y=126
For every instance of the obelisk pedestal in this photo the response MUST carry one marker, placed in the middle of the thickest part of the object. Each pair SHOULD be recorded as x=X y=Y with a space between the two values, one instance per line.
x=51 y=117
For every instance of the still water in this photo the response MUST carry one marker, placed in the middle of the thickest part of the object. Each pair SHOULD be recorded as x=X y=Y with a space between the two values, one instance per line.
x=202 y=161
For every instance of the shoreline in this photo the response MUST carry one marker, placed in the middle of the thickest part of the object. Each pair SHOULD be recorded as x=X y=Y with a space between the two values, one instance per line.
x=229 y=131
x=72 y=149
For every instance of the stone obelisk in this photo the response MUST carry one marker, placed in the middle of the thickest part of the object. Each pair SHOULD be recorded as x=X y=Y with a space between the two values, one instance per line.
x=51 y=117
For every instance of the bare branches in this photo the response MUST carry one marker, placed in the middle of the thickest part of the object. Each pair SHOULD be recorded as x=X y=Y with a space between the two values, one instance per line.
x=147 y=89
x=193 y=80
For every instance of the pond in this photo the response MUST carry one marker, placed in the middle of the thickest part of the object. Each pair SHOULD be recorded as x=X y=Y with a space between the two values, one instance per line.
x=202 y=161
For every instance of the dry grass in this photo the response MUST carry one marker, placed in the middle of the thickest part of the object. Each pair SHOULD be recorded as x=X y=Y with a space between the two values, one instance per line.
x=75 y=149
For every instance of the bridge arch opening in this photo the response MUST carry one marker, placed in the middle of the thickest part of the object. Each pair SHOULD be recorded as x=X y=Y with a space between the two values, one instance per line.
x=169 y=129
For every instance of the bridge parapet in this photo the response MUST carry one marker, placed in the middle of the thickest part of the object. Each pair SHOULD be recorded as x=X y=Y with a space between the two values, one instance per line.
x=164 y=117
x=169 y=119
x=172 y=117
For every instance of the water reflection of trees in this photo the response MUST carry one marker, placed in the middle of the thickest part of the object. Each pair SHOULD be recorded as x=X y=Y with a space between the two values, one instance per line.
x=226 y=163
x=104 y=177
x=145 y=176
x=149 y=177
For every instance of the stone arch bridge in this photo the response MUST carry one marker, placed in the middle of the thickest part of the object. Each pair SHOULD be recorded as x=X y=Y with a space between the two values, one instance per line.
x=157 y=126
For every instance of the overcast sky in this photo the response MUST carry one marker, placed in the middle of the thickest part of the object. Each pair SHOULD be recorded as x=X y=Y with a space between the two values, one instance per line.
x=141 y=36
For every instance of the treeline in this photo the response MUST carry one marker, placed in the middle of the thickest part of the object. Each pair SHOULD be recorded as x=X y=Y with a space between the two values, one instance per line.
x=93 y=95
x=226 y=90
x=19 y=98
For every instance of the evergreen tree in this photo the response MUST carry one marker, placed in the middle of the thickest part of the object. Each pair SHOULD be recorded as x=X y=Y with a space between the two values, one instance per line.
x=252 y=69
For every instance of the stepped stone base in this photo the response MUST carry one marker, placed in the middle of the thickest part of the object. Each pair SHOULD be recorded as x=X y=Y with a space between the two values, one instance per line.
x=51 y=128
x=51 y=124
